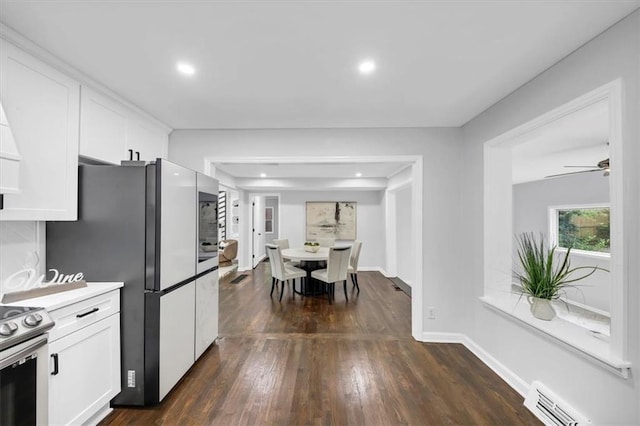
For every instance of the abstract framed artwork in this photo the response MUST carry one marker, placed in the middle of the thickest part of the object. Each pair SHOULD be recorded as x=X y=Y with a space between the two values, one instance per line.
x=335 y=219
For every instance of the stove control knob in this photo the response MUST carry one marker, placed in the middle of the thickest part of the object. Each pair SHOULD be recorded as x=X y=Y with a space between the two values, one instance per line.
x=32 y=320
x=8 y=328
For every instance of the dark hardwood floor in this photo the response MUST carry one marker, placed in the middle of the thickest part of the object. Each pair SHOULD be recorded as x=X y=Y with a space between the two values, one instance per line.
x=303 y=361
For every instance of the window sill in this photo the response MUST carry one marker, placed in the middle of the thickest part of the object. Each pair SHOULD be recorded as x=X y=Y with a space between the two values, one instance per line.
x=585 y=253
x=583 y=340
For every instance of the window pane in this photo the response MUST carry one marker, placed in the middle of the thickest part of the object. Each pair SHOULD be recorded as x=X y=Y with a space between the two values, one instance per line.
x=268 y=226
x=584 y=229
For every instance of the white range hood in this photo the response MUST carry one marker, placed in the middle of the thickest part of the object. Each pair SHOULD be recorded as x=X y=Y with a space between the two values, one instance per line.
x=9 y=158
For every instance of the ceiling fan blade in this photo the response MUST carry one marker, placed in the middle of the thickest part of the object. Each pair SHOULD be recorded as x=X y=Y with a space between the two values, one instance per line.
x=573 y=173
x=585 y=167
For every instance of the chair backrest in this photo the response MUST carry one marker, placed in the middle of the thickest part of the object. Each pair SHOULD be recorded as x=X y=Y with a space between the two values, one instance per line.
x=275 y=261
x=355 y=255
x=326 y=242
x=338 y=264
x=283 y=244
x=230 y=250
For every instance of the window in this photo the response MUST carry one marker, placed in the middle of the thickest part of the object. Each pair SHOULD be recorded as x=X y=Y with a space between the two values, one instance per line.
x=585 y=229
x=268 y=220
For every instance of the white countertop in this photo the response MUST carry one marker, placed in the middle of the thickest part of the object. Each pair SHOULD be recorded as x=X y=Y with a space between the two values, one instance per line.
x=55 y=301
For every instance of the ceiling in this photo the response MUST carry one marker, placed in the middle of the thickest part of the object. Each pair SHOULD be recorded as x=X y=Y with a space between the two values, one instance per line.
x=292 y=64
x=578 y=139
x=343 y=170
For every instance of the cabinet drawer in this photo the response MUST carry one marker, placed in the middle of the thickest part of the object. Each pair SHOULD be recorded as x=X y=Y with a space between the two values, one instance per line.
x=74 y=317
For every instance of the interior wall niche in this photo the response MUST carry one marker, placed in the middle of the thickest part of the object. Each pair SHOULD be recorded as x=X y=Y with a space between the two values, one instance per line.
x=516 y=160
x=556 y=166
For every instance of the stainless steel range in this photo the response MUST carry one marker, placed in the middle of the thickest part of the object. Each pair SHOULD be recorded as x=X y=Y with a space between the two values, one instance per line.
x=23 y=365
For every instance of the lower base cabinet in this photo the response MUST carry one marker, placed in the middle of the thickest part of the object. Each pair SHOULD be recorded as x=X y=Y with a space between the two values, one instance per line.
x=84 y=357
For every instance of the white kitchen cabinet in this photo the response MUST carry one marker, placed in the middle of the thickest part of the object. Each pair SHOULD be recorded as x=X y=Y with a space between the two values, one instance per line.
x=42 y=107
x=149 y=142
x=111 y=132
x=103 y=127
x=84 y=356
x=206 y=311
x=177 y=316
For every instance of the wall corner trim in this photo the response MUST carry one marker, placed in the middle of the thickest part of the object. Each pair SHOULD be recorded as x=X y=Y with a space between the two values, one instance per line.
x=512 y=379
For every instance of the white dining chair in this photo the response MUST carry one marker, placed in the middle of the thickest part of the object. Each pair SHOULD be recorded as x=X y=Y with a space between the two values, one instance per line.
x=281 y=273
x=353 y=263
x=284 y=244
x=336 y=271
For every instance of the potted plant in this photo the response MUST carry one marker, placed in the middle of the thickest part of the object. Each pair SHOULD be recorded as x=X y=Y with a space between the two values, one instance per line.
x=311 y=246
x=544 y=276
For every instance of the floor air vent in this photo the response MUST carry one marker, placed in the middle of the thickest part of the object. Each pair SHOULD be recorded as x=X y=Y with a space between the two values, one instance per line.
x=550 y=409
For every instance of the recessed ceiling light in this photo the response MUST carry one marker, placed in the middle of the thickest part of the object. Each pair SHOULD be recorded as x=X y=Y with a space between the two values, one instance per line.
x=185 y=68
x=358 y=174
x=263 y=175
x=367 y=67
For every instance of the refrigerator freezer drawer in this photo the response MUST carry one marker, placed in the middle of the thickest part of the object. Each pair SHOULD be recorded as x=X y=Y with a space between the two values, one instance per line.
x=177 y=316
x=206 y=311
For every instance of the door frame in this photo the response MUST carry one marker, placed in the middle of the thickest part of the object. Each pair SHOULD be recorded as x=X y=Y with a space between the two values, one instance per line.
x=255 y=257
x=417 y=173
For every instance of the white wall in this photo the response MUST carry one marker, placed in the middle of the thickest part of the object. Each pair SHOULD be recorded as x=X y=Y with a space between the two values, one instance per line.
x=601 y=395
x=404 y=232
x=370 y=220
x=440 y=149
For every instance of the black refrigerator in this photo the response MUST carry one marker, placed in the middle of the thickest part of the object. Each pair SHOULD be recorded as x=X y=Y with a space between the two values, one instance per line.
x=147 y=226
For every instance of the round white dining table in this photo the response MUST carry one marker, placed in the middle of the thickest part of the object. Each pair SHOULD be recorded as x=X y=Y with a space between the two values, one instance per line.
x=300 y=254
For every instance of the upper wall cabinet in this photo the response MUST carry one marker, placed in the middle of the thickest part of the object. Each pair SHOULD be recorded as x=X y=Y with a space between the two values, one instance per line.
x=42 y=108
x=103 y=128
x=110 y=132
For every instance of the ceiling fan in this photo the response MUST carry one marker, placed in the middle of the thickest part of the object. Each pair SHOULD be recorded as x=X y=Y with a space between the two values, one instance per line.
x=602 y=166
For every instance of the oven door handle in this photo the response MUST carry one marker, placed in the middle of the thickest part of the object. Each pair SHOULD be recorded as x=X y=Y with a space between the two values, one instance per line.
x=34 y=345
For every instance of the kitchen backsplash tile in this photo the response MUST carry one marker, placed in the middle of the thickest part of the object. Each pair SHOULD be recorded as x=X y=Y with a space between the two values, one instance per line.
x=22 y=245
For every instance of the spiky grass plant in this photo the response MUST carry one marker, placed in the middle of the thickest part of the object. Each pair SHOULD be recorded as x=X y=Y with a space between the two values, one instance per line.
x=540 y=275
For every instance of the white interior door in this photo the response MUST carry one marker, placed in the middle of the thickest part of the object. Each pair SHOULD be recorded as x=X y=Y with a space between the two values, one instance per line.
x=258 y=250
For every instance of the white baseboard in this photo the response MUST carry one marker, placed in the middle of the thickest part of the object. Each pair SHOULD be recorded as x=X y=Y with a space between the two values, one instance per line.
x=373 y=269
x=437 y=337
x=500 y=369
x=496 y=366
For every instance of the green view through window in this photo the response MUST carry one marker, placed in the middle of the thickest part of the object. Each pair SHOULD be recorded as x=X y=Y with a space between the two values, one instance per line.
x=584 y=229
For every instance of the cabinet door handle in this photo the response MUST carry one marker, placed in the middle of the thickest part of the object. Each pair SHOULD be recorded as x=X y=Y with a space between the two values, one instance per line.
x=87 y=313
x=55 y=364
x=138 y=155
x=130 y=154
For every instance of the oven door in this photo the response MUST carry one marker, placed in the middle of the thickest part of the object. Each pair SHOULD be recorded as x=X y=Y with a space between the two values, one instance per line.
x=24 y=383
